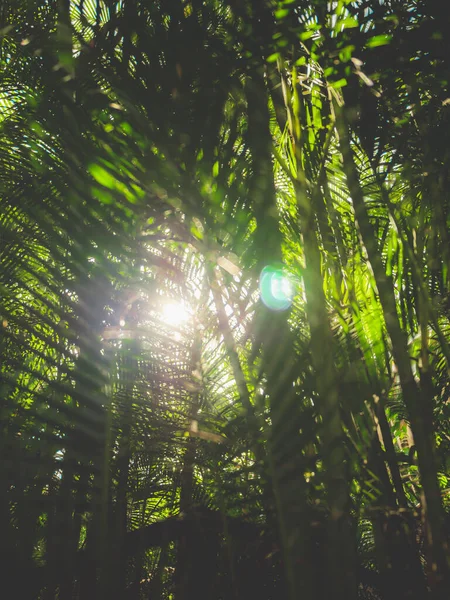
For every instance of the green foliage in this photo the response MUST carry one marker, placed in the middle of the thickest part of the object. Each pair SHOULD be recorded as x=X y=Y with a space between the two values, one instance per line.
x=163 y=434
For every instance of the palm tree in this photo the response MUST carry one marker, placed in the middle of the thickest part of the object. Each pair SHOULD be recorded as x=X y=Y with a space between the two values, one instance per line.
x=155 y=158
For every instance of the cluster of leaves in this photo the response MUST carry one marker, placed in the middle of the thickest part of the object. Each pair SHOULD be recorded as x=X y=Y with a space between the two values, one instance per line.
x=163 y=153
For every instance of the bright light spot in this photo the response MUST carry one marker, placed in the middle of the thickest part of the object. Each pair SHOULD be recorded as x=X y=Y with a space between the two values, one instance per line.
x=174 y=313
x=277 y=289
x=122 y=322
x=281 y=287
x=228 y=310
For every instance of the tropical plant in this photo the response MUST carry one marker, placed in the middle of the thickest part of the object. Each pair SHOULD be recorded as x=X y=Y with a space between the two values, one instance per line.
x=224 y=299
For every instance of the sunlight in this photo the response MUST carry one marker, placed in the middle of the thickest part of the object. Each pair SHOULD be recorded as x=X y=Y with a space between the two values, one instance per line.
x=174 y=313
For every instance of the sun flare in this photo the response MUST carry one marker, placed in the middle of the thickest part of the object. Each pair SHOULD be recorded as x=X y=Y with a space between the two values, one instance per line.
x=174 y=313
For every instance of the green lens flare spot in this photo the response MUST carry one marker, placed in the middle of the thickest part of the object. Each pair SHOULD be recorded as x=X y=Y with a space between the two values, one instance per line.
x=277 y=289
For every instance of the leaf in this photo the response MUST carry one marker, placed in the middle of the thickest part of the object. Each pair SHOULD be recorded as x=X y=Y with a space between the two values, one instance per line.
x=273 y=57
x=338 y=84
x=102 y=175
x=281 y=13
x=378 y=40
x=349 y=23
x=229 y=266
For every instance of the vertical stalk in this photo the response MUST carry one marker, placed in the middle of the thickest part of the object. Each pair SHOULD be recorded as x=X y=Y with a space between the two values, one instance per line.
x=236 y=366
x=341 y=567
x=381 y=420
x=184 y=565
x=341 y=549
x=284 y=447
x=128 y=373
x=413 y=397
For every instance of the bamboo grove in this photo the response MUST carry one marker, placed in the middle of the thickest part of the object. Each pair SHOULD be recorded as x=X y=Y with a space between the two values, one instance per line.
x=163 y=433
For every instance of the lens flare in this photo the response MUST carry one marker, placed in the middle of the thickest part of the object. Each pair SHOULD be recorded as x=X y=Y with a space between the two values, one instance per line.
x=174 y=314
x=277 y=289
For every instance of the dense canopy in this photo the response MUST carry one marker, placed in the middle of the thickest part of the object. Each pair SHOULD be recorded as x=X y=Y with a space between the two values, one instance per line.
x=224 y=299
